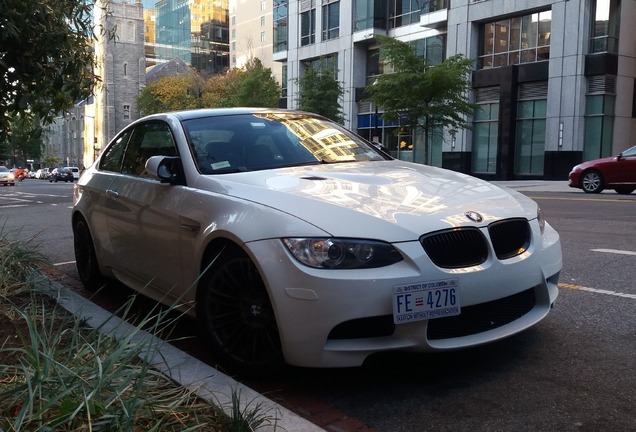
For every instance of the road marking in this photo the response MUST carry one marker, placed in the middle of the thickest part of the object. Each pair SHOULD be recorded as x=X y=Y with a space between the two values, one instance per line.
x=614 y=251
x=64 y=263
x=597 y=291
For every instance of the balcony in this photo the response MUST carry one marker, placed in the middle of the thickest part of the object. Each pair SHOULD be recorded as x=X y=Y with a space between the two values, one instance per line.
x=368 y=34
x=434 y=14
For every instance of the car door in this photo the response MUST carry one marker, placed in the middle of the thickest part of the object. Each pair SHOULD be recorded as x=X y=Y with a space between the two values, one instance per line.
x=625 y=168
x=143 y=215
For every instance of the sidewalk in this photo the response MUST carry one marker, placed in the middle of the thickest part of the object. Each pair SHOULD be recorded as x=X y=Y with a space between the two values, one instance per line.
x=207 y=382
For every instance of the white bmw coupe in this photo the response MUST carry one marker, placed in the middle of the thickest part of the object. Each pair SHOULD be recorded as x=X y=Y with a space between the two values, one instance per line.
x=291 y=239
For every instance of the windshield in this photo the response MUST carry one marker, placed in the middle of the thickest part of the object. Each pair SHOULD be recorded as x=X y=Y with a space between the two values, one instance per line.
x=250 y=142
x=630 y=152
x=4 y=169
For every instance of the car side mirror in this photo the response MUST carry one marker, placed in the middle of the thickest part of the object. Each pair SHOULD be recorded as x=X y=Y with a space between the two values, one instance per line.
x=163 y=168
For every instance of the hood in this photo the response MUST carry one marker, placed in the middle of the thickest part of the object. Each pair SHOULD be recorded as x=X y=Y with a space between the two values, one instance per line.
x=393 y=200
x=594 y=162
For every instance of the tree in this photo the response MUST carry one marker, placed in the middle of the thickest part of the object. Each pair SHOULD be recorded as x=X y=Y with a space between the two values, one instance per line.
x=221 y=87
x=419 y=94
x=253 y=86
x=172 y=93
x=46 y=58
x=257 y=87
x=25 y=140
x=319 y=92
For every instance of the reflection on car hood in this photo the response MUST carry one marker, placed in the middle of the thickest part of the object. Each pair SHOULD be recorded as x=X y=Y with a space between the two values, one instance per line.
x=393 y=200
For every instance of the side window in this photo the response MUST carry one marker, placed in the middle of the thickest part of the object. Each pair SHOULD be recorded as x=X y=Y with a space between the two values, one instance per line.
x=148 y=139
x=113 y=155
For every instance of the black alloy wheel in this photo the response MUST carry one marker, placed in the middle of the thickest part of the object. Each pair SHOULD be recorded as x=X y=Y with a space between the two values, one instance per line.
x=85 y=257
x=237 y=317
x=592 y=182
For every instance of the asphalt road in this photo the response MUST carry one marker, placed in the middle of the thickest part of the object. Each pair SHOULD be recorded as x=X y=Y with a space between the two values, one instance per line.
x=575 y=371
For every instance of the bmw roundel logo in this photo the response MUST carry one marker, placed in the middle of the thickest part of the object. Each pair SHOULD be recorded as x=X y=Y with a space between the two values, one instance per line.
x=473 y=216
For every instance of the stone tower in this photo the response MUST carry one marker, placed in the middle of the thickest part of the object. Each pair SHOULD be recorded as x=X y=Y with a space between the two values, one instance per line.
x=121 y=66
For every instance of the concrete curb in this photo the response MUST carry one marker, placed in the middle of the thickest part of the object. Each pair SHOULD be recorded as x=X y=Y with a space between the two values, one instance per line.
x=207 y=382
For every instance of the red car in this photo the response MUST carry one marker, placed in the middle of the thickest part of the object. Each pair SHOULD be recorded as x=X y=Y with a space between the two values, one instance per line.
x=616 y=172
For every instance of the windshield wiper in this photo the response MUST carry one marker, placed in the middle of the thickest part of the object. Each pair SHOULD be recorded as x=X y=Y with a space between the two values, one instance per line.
x=325 y=161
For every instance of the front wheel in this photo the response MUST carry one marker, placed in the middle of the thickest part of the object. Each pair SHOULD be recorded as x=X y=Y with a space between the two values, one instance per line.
x=236 y=315
x=592 y=182
x=85 y=256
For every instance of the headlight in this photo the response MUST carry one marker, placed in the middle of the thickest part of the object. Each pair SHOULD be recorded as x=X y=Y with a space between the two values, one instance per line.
x=11 y=176
x=540 y=219
x=339 y=253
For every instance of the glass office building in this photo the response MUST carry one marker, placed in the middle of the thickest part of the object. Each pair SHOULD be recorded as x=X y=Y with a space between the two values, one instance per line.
x=197 y=31
x=553 y=80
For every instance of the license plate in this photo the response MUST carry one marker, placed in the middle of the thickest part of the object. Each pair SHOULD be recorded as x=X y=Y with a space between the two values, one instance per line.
x=425 y=300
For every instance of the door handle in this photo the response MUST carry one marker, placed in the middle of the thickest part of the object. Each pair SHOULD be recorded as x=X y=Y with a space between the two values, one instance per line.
x=111 y=193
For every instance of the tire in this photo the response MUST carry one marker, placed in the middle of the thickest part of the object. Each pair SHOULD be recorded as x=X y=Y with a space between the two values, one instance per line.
x=624 y=190
x=85 y=257
x=592 y=182
x=236 y=315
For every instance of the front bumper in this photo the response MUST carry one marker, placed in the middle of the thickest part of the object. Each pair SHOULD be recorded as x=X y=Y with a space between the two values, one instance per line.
x=337 y=318
x=574 y=179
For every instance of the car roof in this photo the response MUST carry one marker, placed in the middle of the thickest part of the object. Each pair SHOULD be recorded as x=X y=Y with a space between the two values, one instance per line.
x=214 y=112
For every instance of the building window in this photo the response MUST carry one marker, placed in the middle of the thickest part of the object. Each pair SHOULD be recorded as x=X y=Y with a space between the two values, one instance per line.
x=325 y=63
x=404 y=12
x=263 y=6
x=263 y=37
x=523 y=39
x=605 y=26
x=485 y=137
x=280 y=25
x=262 y=21
x=308 y=27
x=432 y=48
x=599 y=126
x=369 y=14
x=126 y=112
x=429 y=6
x=530 y=139
x=125 y=69
x=331 y=20
x=283 y=80
x=130 y=31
